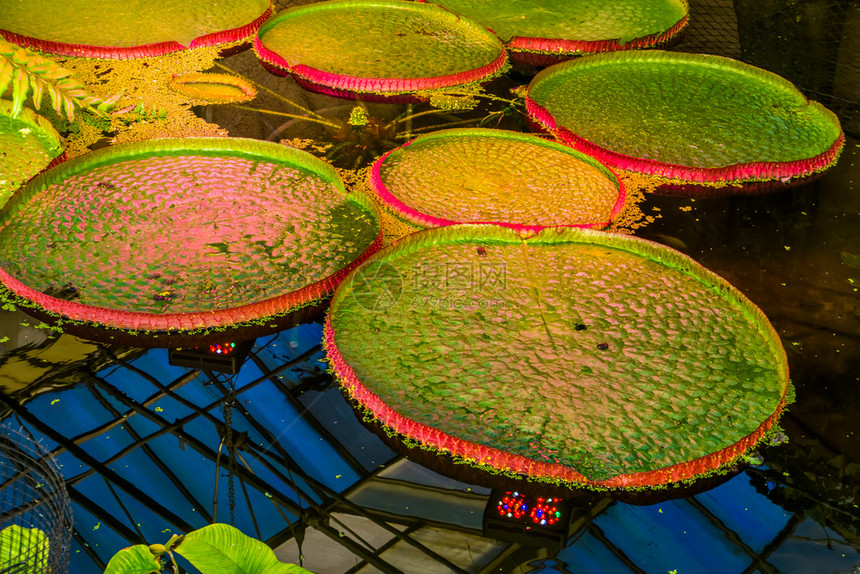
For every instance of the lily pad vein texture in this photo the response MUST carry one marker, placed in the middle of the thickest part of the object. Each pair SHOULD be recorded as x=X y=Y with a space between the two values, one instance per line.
x=347 y=47
x=568 y=356
x=28 y=144
x=691 y=118
x=129 y=29
x=183 y=234
x=568 y=28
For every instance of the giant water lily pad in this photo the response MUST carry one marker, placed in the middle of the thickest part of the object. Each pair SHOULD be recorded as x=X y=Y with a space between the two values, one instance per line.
x=131 y=28
x=181 y=236
x=689 y=118
x=28 y=144
x=544 y=31
x=495 y=176
x=378 y=47
x=569 y=356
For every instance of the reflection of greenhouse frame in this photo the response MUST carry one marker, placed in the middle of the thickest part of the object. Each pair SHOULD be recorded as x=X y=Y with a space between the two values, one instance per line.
x=690 y=435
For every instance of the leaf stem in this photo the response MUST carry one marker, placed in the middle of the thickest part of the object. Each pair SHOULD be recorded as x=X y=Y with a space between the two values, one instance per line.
x=324 y=122
x=272 y=92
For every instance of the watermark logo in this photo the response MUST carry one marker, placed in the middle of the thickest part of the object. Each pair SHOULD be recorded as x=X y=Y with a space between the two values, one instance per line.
x=377 y=285
x=458 y=286
x=484 y=278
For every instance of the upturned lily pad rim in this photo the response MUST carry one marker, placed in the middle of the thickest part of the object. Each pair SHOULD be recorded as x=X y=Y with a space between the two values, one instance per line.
x=178 y=83
x=561 y=47
x=495 y=460
x=728 y=174
x=47 y=132
x=197 y=321
x=346 y=85
x=402 y=210
x=221 y=37
x=569 y=48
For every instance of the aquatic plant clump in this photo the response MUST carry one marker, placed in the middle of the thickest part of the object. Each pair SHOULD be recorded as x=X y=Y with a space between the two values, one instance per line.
x=695 y=120
x=28 y=144
x=495 y=176
x=545 y=32
x=130 y=29
x=373 y=47
x=182 y=235
x=566 y=356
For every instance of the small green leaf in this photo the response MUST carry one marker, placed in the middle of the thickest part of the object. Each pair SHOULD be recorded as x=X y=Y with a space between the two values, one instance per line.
x=358 y=116
x=20 y=88
x=135 y=559
x=38 y=85
x=851 y=260
x=221 y=548
x=69 y=105
x=56 y=101
x=5 y=74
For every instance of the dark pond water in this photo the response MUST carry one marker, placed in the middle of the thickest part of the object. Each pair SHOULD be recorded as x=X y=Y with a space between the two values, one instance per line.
x=145 y=451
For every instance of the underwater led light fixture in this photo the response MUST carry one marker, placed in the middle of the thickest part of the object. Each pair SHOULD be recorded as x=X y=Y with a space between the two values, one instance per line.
x=28 y=144
x=129 y=29
x=382 y=48
x=170 y=242
x=566 y=356
x=527 y=519
x=495 y=176
x=220 y=356
x=703 y=124
x=546 y=32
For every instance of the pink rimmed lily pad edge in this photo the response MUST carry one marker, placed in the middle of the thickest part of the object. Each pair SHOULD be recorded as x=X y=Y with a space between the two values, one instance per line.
x=14 y=291
x=221 y=37
x=735 y=174
x=343 y=85
x=546 y=51
x=493 y=460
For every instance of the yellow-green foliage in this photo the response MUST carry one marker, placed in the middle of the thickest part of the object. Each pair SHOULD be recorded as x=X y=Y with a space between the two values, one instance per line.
x=26 y=71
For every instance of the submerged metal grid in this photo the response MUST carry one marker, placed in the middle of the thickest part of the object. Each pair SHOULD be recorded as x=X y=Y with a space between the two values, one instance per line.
x=32 y=498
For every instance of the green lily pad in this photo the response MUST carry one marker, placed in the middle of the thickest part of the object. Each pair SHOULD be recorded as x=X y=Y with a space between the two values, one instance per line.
x=689 y=118
x=28 y=144
x=495 y=176
x=568 y=356
x=566 y=28
x=182 y=235
x=344 y=47
x=129 y=29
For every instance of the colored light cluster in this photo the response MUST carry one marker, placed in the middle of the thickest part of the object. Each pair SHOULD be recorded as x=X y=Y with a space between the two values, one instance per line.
x=222 y=349
x=541 y=511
